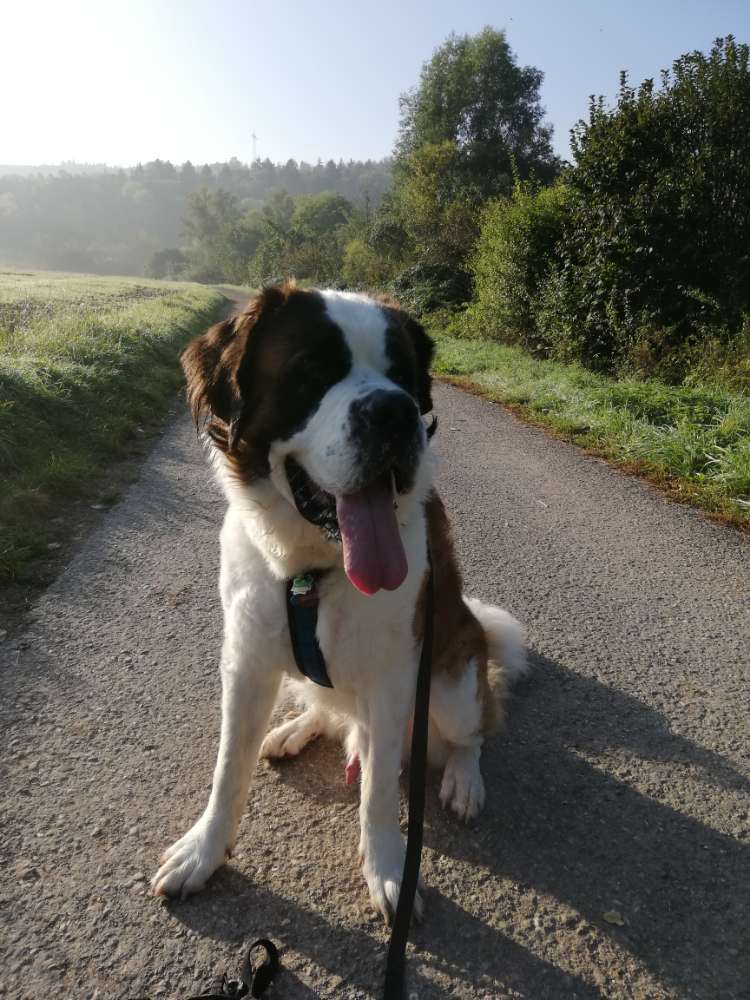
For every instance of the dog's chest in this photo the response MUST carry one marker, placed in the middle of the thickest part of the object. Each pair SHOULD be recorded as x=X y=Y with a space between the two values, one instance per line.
x=361 y=637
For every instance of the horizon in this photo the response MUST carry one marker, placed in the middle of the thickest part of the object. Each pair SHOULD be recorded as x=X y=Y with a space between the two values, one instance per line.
x=177 y=83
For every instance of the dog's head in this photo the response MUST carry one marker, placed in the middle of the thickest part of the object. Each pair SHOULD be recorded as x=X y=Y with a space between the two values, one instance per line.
x=330 y=387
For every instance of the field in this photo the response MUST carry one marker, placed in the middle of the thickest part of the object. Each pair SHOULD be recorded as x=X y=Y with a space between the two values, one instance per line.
x=86 y=365
x=692 y=441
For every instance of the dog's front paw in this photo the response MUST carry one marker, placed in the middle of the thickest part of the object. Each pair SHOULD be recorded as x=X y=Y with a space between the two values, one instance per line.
x=291 y=736
x=382 y=859
x=462 y=788
x=187 y=865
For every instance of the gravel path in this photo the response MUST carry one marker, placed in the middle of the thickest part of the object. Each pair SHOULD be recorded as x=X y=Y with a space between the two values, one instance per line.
x=612 y=860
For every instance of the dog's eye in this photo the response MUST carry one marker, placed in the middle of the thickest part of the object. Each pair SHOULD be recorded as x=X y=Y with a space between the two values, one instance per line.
x=298 y=366
x=307 y=374
x=403 y=376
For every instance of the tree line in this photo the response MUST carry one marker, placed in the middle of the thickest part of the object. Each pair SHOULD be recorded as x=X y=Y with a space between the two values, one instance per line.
x=109 y=221
x=472 y=124
x=634 y=258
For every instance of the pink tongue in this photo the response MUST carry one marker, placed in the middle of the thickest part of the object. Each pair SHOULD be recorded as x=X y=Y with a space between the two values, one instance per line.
x=374 y=554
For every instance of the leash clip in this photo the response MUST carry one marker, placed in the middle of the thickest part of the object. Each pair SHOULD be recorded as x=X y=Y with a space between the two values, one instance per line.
x=255 y=978
x=304 y=590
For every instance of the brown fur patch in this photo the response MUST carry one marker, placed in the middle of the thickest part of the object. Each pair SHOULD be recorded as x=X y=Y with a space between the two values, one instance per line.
x=457 y=633
x=238 y=378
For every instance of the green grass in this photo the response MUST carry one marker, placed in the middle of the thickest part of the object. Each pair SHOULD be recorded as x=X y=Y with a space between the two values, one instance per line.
x=85 y=364
x=240 y=289
x=693 y=441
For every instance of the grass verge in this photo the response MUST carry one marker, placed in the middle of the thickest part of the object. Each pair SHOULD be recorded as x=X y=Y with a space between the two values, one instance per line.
x=86 y=364
x=693 y=442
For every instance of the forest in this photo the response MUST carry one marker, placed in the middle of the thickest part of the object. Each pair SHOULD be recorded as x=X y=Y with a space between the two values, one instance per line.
x=112 y=221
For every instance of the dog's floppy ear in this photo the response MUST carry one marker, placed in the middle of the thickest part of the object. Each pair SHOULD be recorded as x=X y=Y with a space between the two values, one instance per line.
x=207 y=374
x=424 y=349
x=218 y=365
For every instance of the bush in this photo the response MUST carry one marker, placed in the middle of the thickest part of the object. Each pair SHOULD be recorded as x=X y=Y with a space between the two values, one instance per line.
x=655 y=255
x=362 y=267
x=437 y=211
x=514 y=254
x=427 y=287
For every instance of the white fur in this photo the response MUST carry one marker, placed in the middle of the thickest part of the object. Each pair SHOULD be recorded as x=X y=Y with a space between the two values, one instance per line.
x=506 y=639
x=364 y=324
x=367 y=642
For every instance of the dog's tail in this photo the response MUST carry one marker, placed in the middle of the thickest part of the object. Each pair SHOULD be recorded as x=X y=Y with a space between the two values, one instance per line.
x=506 y=640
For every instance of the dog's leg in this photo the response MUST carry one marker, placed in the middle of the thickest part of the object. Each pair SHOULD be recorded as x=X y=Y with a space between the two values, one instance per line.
x=381 y=844
x=248 y=694
x=293 y=735
x=456 y=710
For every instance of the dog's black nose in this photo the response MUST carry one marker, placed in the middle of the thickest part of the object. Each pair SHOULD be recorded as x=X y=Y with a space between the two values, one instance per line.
x=385 y=412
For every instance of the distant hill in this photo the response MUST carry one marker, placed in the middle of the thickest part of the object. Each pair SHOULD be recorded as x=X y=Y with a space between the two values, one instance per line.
x=46 y=169
x=110 y=220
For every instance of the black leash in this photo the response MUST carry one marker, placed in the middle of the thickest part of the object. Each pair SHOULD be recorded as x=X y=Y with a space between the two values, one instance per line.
x=395 y=982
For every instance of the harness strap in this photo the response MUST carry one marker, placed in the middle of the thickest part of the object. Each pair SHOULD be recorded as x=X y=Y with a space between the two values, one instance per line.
x=302 y=613
x=395 y=985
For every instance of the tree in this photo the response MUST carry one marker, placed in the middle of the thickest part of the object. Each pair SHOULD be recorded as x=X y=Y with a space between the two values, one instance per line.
x=188 y=175
x=362 y=267
x=472 y=125
x=304 y=238
x=439 y=215
x=473 y=94
x=318 y=214
x=169 y=263
x=217 y=240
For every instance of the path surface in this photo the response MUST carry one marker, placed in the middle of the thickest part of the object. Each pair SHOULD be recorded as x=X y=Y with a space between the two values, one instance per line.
x=612 y=860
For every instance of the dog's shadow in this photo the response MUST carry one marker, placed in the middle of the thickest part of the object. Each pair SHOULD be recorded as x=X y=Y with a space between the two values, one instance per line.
x=356 y=957
x=558 y=823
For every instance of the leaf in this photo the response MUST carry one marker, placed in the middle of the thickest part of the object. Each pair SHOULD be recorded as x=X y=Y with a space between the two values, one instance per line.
x=613 y=917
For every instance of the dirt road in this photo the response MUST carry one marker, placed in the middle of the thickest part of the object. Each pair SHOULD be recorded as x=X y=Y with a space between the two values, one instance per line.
x=613 y=857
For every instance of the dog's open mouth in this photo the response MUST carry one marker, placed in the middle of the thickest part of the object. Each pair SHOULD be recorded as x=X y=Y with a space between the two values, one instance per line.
x=365 y=522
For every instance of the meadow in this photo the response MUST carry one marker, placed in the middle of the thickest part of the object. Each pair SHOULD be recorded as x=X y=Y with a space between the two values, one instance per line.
x=692 y=440
x=87 y=364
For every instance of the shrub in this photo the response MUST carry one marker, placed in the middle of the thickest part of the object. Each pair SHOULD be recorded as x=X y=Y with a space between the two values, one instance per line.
x=513 y=257
x=655 y=254
x=362 y=266
x=426 y=287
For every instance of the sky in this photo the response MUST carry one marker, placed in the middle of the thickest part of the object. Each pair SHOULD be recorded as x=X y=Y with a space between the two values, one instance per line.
x=102 y=81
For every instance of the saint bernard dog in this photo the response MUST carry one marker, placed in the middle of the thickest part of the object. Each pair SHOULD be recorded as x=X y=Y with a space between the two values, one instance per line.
x=312 y=404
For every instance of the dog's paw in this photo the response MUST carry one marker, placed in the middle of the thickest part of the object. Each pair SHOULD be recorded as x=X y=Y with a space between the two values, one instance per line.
x=187 y=865
x=383 y=865
x=462 y=788
x=292 y=736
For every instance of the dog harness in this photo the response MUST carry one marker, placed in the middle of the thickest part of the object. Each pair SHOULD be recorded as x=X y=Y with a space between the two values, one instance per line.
x=302 y=601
